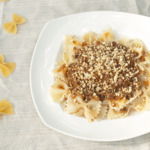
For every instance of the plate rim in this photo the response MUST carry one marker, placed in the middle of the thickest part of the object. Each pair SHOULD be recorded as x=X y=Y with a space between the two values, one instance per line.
x=31 y=86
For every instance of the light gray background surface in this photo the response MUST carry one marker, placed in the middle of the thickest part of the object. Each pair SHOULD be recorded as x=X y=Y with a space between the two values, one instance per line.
x=24 y=130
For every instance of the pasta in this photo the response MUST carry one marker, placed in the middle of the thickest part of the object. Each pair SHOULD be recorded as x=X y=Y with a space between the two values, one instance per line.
x=6 y=107
x=6 y=68
x=113 y=114
x=59 y=90
x=11 y=27
x=76 y=105
x=3 y=0
x=101 y=77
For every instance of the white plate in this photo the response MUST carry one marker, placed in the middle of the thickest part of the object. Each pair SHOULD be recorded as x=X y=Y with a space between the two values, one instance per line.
x=48 y=50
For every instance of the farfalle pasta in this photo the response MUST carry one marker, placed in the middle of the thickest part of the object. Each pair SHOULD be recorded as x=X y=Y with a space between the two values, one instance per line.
x=59 y=91
x=6 y=68
x=102 y=77
x=6 y=107
x=77 y=106
x=11 y=27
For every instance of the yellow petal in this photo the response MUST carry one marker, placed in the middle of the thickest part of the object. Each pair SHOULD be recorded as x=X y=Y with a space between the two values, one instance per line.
x=6 y=107
x=10 y=27
x=3 y=0
x=18 y=19
x=7 y=68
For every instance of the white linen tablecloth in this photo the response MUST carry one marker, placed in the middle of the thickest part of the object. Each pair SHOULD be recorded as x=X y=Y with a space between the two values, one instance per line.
x=24 y=130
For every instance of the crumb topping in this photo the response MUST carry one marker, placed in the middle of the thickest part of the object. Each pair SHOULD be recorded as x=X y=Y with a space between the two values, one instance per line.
x=106 y=70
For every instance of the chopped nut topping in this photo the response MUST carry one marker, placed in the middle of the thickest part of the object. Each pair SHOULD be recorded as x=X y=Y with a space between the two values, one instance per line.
x=106 y=70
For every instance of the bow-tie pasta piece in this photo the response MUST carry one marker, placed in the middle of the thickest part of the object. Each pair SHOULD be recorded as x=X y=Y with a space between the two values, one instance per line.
x=6 y=68
x=6 y=107
x=18 y=19
x=11 y=27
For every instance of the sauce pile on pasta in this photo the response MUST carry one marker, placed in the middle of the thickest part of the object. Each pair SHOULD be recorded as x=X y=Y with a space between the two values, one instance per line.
x=104 y=70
